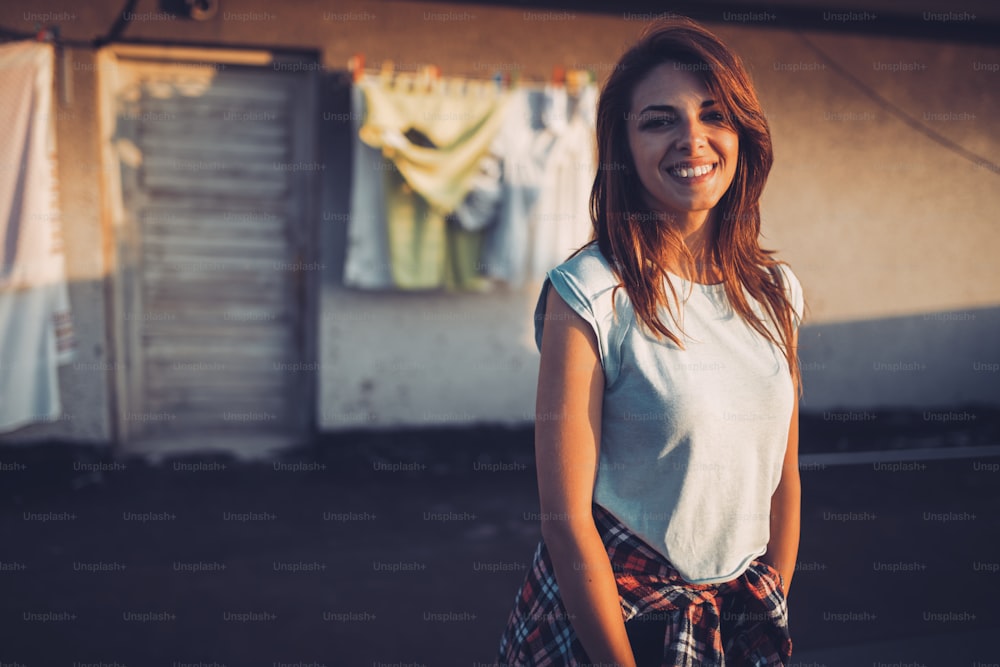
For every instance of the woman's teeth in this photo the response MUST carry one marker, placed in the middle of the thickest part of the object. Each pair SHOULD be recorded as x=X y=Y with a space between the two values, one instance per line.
x=691 y=172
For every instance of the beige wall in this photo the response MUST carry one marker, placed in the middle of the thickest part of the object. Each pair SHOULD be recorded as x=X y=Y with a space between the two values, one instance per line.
x=892 y=235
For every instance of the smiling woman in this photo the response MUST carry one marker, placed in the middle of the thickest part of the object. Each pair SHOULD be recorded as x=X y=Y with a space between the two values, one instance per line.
x=669 y=486
x=684 y=148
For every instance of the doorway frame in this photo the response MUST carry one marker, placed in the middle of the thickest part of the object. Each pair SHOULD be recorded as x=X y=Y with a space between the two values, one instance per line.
x=121 y=232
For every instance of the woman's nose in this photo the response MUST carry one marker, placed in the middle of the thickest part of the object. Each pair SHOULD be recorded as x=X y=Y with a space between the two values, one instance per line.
x=692 y=136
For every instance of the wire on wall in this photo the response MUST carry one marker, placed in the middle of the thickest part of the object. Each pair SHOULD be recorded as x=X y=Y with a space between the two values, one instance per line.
x=899 y=113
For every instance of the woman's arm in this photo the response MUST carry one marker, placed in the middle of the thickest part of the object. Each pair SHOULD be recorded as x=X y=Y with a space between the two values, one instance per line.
x=783 y=547
x=567 y=438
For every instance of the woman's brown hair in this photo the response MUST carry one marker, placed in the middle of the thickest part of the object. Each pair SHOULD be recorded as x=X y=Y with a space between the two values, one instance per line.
x=631 y=238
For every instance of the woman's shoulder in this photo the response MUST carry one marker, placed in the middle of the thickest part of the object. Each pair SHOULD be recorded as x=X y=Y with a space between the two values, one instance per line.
x=586 y=282
x=589 y=269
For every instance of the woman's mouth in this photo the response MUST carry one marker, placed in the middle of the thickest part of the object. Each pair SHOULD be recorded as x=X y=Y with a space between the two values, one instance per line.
x=692 y=174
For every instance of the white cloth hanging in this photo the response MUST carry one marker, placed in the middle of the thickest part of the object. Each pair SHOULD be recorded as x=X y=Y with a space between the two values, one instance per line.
x=561 y=219
x=547 y=150
x=36 y=333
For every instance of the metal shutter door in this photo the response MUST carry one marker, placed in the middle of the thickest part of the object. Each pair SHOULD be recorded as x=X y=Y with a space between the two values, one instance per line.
x=213 y=306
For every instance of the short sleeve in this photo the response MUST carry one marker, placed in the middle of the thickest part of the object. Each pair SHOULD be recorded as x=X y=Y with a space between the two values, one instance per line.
x=793 y=288
x=585 y=283
x=571 y=293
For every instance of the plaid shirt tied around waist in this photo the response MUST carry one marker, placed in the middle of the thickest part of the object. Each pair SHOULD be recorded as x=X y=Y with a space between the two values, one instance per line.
x=739 y=623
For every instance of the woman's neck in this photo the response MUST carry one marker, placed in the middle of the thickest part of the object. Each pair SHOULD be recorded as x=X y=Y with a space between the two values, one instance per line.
x=697 y=231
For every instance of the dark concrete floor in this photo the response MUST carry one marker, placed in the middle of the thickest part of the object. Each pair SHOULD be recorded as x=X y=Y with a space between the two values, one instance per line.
x=408 y=549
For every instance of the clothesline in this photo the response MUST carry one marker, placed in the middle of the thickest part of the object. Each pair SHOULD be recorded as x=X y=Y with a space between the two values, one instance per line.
x=430 y=77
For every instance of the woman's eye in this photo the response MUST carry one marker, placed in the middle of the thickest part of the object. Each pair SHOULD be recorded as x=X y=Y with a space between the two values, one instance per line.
x=716 y=117
x=659 y=121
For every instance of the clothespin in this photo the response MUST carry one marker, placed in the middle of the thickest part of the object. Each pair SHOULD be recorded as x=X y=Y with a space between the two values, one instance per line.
x=356 y=65
x=46 y=34
x=575 y=81
x=558 y=75
x=429 y=77
x=498 y=79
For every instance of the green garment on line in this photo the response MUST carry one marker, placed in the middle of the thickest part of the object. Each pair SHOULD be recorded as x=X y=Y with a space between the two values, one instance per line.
x=426 y=250
x=425 y=184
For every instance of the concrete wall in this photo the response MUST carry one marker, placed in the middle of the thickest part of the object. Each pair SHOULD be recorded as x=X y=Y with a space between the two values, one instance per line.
x=891 y=233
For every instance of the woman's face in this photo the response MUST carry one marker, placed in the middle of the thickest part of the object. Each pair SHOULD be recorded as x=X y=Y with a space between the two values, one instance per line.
x=684 y=151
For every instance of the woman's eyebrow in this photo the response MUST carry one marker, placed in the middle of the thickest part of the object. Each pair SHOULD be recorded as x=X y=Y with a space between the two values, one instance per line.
x=671 y=109
x=658 y=107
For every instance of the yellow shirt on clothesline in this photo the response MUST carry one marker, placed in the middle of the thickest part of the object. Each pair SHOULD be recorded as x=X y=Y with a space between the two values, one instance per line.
x=435 y=139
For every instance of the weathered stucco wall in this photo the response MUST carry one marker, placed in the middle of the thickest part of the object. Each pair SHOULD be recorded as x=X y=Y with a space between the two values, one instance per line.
x=892 y=233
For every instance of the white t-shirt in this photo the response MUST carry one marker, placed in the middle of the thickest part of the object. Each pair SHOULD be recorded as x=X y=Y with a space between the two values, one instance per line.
x=693 y=439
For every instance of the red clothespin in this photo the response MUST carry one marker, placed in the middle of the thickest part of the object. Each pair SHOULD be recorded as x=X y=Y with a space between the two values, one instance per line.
x=558 y=75
x=356 y=65
x=46 y=33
